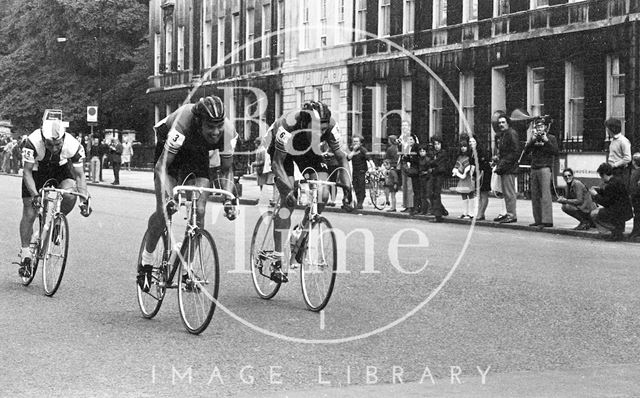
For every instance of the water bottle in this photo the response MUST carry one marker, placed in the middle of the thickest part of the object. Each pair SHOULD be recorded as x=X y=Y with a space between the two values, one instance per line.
x=295 y=236
x=303 y=196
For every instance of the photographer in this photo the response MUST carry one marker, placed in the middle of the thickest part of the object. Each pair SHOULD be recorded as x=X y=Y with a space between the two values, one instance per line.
x=542 y=147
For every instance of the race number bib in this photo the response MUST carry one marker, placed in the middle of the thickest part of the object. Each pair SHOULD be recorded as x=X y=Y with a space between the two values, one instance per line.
x=28 y=155
x=283 y=137
x=174 y=140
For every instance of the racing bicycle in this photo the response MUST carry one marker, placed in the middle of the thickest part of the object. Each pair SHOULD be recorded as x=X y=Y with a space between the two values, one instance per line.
x=374 y=179
x=191 y=267
x=50 y=244
x=311 y=244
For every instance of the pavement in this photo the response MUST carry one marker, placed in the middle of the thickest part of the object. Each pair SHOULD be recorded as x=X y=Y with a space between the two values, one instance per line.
x=563 y=224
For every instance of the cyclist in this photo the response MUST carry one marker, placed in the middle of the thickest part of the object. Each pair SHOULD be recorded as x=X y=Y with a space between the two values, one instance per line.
x=297 y=137
x=184 y=139
x=46 y=155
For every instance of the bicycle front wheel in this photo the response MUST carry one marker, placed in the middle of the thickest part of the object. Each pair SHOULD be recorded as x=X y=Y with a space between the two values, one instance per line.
x=55 y=255
x=262 y=244
x=376 y=193
x=150 y=302
x=198 y=281
x=319 y=265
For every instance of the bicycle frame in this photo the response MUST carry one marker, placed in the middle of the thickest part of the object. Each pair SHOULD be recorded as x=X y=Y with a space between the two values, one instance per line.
x=53 y=196
x=173 y=251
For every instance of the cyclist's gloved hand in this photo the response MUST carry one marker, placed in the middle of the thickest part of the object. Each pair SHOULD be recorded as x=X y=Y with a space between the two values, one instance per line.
x=85 y=209
x=35 y=202
x=291 y=199
x=172 y=207
x=230 y=209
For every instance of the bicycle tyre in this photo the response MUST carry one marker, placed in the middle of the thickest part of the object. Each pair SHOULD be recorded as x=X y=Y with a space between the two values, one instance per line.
x=52 y=270
x=317 y=277
x=262 y=239
x=150 y=302
x=198 y=295
x=376 y=194
x=35 y=259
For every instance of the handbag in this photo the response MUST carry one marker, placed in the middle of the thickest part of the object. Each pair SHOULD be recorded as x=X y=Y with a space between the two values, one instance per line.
x=496 y=183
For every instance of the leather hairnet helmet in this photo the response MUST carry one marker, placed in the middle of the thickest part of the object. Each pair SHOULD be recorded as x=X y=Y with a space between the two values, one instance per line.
x=210 y=108
x=321 y=110
x=52 y=130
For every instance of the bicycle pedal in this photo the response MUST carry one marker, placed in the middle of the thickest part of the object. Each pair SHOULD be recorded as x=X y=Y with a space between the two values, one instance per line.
x=279 y=277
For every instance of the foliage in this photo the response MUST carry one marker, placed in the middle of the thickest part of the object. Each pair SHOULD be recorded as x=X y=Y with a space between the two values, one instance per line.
x=106 y=48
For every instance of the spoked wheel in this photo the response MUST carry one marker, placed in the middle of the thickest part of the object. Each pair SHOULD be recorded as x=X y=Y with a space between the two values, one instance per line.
x=151 y=301
x=262 y=245
x=198 y=281
x=376 y=193
x=55 y=254
x=319 y=265
x=35 y=258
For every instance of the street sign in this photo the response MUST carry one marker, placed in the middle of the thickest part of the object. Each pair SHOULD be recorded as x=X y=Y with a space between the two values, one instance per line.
x=92 y=114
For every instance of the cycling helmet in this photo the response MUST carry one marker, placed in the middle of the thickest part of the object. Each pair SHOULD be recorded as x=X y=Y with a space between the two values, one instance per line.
x=52 y=130
x=210 y=108
x=320 y=109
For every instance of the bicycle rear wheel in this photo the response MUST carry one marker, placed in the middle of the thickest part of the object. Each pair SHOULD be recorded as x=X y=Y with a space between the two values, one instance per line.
x=55 y=255
x=376 y=193
x=262 y=244
x=319 y=265
x=198 y=281
x=151 y=301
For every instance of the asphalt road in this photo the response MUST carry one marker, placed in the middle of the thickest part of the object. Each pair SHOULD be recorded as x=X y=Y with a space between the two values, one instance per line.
x=538 y=314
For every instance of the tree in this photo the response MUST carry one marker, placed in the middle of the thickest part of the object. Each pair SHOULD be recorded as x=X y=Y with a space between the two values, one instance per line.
x=106 y=47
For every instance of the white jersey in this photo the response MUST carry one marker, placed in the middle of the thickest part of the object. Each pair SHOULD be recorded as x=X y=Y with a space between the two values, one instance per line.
x=35 y=152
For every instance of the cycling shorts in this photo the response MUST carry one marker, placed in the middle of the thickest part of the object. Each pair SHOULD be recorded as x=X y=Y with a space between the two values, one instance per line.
x=309 y=160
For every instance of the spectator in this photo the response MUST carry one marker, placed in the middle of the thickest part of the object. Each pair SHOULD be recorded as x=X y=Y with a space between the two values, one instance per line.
x=619 y=150
x=463 y=170
x=484 y=163
x=16 y=156
x=578 y=203
x=424 y=175
x=507 y=167
x=360 y=159
x=407 y=140
x=391 y=152
x=258 y=164
x=95 y=169
x=332 y=165
x=614 y=199
x=634 y=192
x=127 y=153
x=412 y=170
x=391 y=181
x=103 y=151
x=543 y=148
x=439 y=171
x=115 y=157
x=7 y=150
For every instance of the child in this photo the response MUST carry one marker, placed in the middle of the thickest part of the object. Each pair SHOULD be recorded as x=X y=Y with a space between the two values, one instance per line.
x=464 y=171
x=390 y=183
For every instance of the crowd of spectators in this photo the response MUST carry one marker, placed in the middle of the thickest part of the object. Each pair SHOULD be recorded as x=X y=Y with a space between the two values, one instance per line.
x=418 y=170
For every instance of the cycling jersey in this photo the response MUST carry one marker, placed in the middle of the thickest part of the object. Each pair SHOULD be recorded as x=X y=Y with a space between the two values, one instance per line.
x=180 y=134
x=34 y=151
x=300 y=145
x=49 y=165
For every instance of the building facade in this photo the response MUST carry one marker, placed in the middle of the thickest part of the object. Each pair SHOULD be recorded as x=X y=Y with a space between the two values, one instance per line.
x=445 y=65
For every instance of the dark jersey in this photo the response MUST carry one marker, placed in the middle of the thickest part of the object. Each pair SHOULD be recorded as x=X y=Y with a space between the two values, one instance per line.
x=179 y=133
